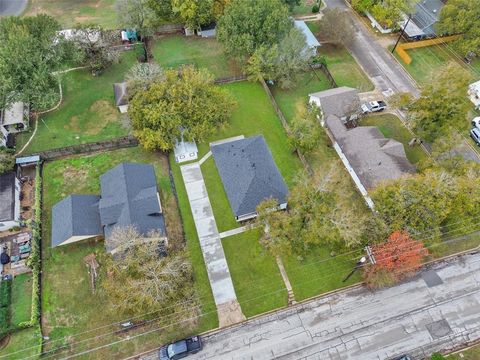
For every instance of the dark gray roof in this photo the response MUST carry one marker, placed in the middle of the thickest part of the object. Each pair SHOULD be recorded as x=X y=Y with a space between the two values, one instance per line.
x=248 y=173
x=338 y=101
x=76 y=215
x=120 y=93
x=129 y=198
x=7 y=196
x=426 y=15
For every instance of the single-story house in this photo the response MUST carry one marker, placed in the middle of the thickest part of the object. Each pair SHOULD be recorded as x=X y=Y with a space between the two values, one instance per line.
x=312 y=43
x=185 y=151
x=474 y=94
x=13 y=119
x=121 y=96
x=423 y=21
x=129 y=197
x=369 y=157
x=208 y=30
x=249 y=175
x=9 y=201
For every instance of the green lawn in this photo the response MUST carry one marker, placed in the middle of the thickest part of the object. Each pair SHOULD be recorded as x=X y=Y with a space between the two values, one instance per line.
x=71 y=12
x=68 y=304
x=319 y=272
x=469 y=354
x=87 y=113
x=175 y=50
x=21 y=299
x=23 y=344
x=256 y=277
x=391 y=127
x=305 y=7
x=426 y=60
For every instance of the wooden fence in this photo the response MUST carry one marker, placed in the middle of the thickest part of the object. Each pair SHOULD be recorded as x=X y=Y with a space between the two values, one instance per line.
x=400 y=49
x=327 y=73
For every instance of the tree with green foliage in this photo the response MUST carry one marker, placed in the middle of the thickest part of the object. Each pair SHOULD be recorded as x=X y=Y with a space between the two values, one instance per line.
x=141 y=76
x=185 y=102
x=7 y=160
x=193 y=13
x=291 y=3
x=305 y=130
x=281 y=62
x=249 y=25
x=162 y=9
x=30 y=52
x=431 y=115
x=462 y=17
x=389 y=12
x=137 y=15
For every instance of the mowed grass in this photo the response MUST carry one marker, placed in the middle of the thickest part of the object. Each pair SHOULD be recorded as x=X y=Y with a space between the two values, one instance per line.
x=173 y=51
x=428 y=60
x=23 y=344
x=255 y=274
x=21 y=299
x=68 y=304
x=391 y=127
x=72 y=12
x=87 y=113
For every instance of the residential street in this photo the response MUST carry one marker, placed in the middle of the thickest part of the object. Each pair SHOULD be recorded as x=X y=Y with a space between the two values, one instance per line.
x=436 y=310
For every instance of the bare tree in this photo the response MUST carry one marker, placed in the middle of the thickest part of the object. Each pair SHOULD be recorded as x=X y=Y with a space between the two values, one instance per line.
x=337 y=27
x=141 y=75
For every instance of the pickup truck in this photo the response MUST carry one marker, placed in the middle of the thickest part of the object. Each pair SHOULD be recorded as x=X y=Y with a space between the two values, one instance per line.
x=373 y=106
x=181 y=348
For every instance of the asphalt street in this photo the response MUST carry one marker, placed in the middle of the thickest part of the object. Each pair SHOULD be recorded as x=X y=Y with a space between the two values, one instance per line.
x=12 y=7
x=437 y=310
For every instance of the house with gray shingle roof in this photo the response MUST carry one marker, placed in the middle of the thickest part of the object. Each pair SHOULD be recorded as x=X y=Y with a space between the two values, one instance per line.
x=9 y=201
x=249 y=175
x=129 y=197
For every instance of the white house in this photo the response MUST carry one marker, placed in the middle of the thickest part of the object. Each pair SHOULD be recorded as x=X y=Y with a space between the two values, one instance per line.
x=9 y=201
x=13 y=119
x=185 y=151
x=474 y=94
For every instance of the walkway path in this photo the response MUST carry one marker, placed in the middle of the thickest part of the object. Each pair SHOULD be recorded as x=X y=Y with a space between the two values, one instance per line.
x=229 y=311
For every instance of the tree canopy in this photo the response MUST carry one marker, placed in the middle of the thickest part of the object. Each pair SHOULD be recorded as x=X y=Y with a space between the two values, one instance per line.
x=462 y=17
x=138 y=15
x=387 y=12
x=248 y=25
x=185 y=101
x=336 y=26
x=29 y=53
x=194 y=13
x=7 y=160
x=141 y=76
x=306 y=131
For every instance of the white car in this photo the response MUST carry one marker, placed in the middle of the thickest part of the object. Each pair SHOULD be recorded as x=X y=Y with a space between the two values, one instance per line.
x=476 y=122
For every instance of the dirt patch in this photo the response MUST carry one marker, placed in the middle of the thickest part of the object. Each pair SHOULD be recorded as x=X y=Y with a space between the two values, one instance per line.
x=104 y=113
x=73 y=175
x=92 y=266
x=73 y=124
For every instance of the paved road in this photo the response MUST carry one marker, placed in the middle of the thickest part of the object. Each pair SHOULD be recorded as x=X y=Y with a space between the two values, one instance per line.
x=12 y=7
x=437 y=310
x=387 y=75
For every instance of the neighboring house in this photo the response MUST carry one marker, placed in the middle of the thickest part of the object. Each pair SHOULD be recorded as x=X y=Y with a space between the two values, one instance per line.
x=423 y=21
x=207 y=31
x=312 y=42
x=13 y=119
x=185 y=151
x=369 y=157
x=121 y=96
x=9 y=201
x=129 y=197
x=249 y=175
x=474 y=94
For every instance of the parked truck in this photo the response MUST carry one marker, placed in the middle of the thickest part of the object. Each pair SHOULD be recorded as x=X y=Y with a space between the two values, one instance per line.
x=373 y=106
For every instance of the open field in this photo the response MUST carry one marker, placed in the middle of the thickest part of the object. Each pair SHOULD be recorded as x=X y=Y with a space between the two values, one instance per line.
x=68 y=304
x=256 y=277
x=21 y=299
x=87 y=113
x=391 y=127
x=72 y=12
x=174 y=50
x=22 y=344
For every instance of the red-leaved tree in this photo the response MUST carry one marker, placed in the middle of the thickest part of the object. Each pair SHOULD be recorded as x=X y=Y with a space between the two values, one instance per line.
x=397 y=258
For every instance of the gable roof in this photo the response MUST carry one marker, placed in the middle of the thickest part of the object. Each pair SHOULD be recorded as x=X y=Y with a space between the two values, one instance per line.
x=76 y=215
x=373 y=157
x=129 y=197
x=337 y=101
x=310 y=37
x=249 y=174
x=120 y=94
x=7 y=196
x=13 y=114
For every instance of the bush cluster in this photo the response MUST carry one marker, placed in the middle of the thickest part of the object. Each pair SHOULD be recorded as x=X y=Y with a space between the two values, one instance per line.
x=5 y=302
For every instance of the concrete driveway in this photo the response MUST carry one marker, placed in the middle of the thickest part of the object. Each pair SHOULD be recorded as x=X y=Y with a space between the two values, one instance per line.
x=12 y=7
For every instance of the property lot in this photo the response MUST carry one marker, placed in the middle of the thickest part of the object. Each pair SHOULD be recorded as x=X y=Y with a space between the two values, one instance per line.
x=71 y=12
x=21 y=299
x=87 y=113
x=23 y=344
x=69 y=304
x=175 y=50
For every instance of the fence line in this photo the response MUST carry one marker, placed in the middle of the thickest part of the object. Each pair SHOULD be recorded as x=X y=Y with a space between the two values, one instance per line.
x=230 y=79
x=285 y=124
x=327 y=73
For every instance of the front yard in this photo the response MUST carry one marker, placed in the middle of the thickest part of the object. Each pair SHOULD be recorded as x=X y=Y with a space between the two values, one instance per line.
x=87 y=113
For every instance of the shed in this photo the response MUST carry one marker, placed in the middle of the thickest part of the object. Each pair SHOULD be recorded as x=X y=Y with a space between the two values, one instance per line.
x=208 y=31
x=9 y=200
x=27 y=160
x=185 y=151
x=121 y=96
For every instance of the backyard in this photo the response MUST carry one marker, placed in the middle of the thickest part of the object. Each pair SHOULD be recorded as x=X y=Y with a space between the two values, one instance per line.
x=87 y=113
x=174 y=50
x=68 y=304
x=21 y=299
x=72 y=12
x=22 y=344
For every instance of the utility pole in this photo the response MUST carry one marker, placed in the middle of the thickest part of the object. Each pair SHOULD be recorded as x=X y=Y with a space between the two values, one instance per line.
x=402 y=32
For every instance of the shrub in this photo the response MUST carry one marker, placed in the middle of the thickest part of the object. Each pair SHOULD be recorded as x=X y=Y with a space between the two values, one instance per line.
x=5 y=302
x=315 y=8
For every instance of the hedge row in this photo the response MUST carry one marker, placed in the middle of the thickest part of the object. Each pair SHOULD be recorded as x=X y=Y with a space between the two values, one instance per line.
x=5 y=303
